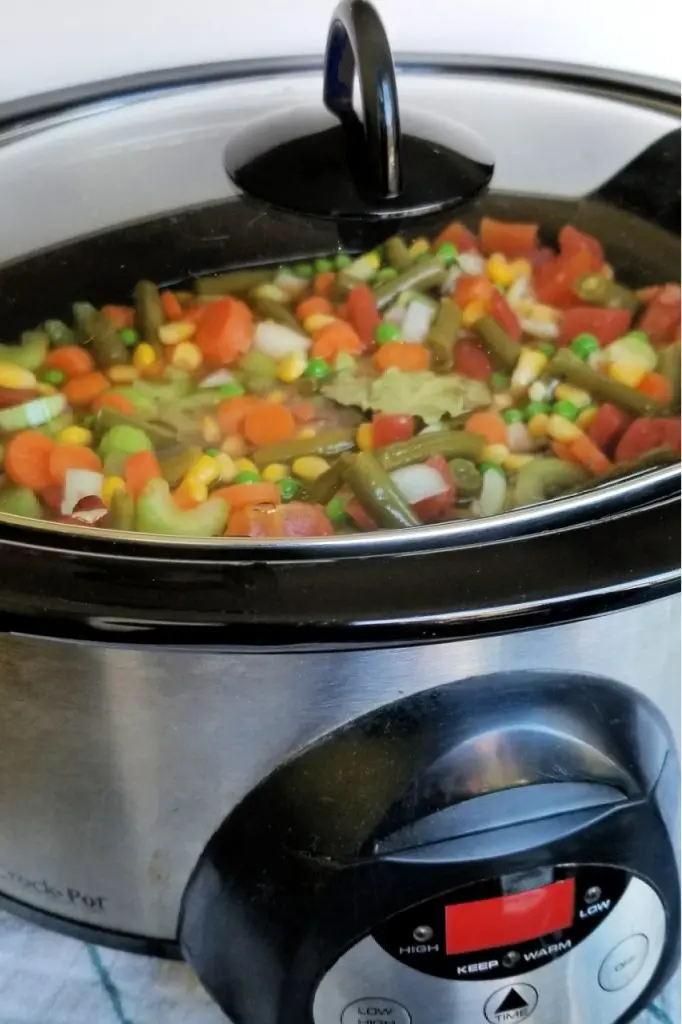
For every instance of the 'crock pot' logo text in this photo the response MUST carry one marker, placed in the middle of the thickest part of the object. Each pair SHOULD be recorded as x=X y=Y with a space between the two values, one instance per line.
x=40 y=887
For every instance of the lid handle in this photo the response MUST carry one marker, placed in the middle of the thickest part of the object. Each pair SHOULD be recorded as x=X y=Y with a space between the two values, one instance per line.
x=357 y=41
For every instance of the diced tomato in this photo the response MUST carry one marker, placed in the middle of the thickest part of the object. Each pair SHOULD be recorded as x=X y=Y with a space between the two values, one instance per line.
x=645 y=434
x=542 y=256
x=471 y=361
x=554 y=281
x=501 y=311
x=52 y=496
x=459 y=236
x=608 y=426
x=361 y=518
x=661 y=319
x=15 y=396
x=363 y=313
x=605 y=324
x=297 y=519
x=572 y=241
x=431 y=510
x=387 y=429
x=470 y=287
x=511 y=240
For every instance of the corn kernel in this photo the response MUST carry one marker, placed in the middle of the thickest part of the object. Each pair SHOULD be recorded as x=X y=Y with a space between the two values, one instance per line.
x=195 y=490
x=529 y=366
x=74 y=435
x=626 y=372
x=316 y=321
x=499 y=271
x=234 y=446
x=515 y=461
x=205 y=470
x=309 y=467
x=473 y=312
x=144 y=355
x=272 y=292
x=277 y=396
x=561 y=429
x=274 y=472
x=364 y=437
x=520 y=268
x=291 y=367
x=495 y=453
x=173 y=334
x=586 y=417
x=373 y=259
x=540 y=314
x=210 y=430
x=45 y=389
x=502 y=401
x=110 y=487
x=245 y=466
x=187 y=356
x=122 y=374
x=12 y=376
x=538 y=425
x=576 y=396
x=305 y=433
x=226 y=468
x=419 y=247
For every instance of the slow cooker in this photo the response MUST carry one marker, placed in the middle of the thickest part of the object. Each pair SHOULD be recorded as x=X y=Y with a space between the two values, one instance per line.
x=410 y=776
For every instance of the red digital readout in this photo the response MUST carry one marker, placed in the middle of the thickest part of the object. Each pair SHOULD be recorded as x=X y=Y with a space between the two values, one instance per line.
x=508 y=920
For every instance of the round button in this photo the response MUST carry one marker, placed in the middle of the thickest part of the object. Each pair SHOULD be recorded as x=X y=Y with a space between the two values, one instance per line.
x=623 y=963
x=373 y=1010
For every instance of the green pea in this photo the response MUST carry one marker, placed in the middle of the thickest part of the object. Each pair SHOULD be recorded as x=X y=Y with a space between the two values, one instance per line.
x=128 y=336
x=231 y=390
x=288 y=487
x=317 y=369
x=487 y=466
x=336 y=509
x=386 y=331
x=568 y=410
x=323 y=266
x=512 y=416
x=247 y=476
x=385 y=274
x=305 y=270
x=212 y=452
x=342 y=260
x=548 y=348
x=448 y=253
x=498 y=381
x=55 y=377
x=584 y=344
x=536 y=409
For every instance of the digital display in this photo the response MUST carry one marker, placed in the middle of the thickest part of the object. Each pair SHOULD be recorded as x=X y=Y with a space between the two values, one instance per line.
x=508 y=920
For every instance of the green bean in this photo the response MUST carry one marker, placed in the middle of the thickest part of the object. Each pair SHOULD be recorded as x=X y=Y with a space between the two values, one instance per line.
x=159 y=434
x=55 y=426
x=83 y=312
x=29 y=353
x=149 y=314
x=235 y=282
x=322 y=490
x=653 y=459
x=467 y=477
x=398 y=254
x=376 y=492
x=277 y=311
x=121 y=511
x=444 y=332
x=59 y=333
x=421 y=276
x=544 y=478
x=600 y=291
x=566 y=364
x=329 y=444
x=448 y=443
x=107 y=346
x=498 y=343
x=669 y=366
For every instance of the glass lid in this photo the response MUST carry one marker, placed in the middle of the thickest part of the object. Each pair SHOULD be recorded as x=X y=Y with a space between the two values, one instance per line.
x=229 y=315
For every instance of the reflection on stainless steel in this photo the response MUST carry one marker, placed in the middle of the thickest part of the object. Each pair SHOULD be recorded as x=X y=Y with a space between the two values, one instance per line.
x=117 y=764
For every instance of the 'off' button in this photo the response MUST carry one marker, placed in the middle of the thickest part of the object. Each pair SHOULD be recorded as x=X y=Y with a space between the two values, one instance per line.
x=375 y=1011
x=623 y=963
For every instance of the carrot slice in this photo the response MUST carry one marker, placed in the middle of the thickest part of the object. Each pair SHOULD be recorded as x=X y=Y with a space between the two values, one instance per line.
x=232 y=412
x=240 y=495
x=510 y=239
x=139 y=469
x=27 y=459
x=324 y=282
x=171 y=306
x=333 y=339
x=586 y=452
x=363 y=313
x=113 y=401
x=120 y=316
x=489 y=425
x=224 y=331
x=564 y=451
x=656 y=386
x=403 y=355
x=268 y=423
x=315 y=305
x=84 y=390
x=72 y=456
x=72 y=361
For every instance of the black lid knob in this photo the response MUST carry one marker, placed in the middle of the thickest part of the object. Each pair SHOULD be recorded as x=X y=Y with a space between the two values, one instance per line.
x=336 y=165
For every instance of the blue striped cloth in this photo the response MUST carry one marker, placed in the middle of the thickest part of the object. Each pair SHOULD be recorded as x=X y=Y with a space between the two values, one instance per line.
x=48 y=979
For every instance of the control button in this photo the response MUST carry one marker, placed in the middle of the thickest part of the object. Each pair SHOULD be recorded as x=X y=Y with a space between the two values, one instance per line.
x=510 y=1004
x=623 y=963
x=373 y=1010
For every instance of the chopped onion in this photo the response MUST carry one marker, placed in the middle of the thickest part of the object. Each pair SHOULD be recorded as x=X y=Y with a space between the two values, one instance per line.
x=418 y=482
x=215 y=380
x=434 y=428
x=90 y=510
x=80 y=483
x=451 y=278
x=519 y=438
x=289 y=283
x=519 y=290
x=417 y=321
x=538 y=329
x=471 y=262
x=278 y=341
x=396 y=314
x=493 y=494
